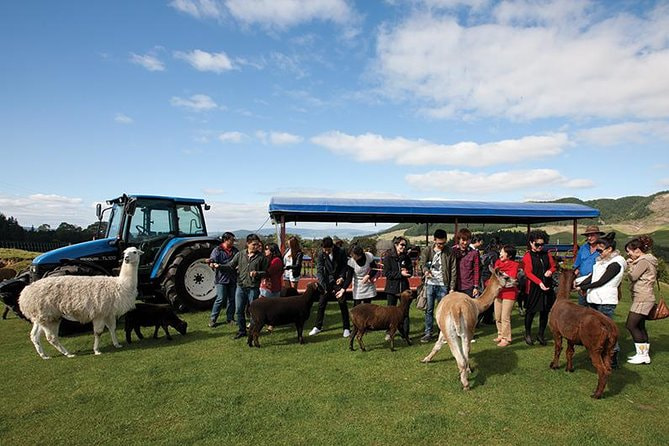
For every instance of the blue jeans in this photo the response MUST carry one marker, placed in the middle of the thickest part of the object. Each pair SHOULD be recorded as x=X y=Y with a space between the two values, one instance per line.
x=243 y=297
x=607 y=310
x=225 y=295
x=434 y=294
x=582 y=301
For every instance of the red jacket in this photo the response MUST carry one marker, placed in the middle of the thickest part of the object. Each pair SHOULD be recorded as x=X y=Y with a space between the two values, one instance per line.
x=509 y=267
x=274 y=274
x=527 y=267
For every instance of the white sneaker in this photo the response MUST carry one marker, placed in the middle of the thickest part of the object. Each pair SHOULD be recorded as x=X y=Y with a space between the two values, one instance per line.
x=314 y=331
x=347 y=333
x=387 y=337
x=473 y=340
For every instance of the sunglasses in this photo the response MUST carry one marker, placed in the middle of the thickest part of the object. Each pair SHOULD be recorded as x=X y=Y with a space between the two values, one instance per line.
x=401 y=244
x=539 y=245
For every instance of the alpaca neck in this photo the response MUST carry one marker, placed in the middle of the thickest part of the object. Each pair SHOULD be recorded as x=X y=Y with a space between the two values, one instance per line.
x=488 y=297
x=564 y=287
x=404 y=305
x=128 y=276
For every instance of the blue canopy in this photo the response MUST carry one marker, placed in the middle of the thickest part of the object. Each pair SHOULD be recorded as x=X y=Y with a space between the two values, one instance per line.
x=356 y=210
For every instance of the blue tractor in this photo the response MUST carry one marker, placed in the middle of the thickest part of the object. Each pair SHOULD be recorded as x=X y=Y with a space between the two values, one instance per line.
x=172 y=234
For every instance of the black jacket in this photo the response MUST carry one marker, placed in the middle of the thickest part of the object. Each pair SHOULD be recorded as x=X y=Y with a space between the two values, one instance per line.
x=392 y=266
x=328 y=271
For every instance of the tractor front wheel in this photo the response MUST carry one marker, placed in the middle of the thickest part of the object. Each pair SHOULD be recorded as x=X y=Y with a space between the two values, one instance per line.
x=189 y=281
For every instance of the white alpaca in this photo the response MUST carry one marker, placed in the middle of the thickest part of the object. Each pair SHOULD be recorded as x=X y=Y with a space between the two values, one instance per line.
x=456 y=316
x=97 y=299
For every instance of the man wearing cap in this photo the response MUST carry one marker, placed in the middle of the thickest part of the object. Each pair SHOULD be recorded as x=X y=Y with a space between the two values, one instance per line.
x=586 y=257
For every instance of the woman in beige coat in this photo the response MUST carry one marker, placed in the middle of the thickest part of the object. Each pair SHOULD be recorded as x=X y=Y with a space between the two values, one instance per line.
x=642 y=271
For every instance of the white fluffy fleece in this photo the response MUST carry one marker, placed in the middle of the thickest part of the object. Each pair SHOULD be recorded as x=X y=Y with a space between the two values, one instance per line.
x=97 y=299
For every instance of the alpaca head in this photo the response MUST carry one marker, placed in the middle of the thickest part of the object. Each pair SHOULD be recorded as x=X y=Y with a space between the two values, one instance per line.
x=131 y=255
x=504 y=279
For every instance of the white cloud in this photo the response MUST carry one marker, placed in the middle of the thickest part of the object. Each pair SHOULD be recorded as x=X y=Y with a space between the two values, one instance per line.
x=123 y=119
x=201 y=9
x=483 y=183
x=372 y=147
x=287 y=13
x=52 y=209
x=234 y=137
x=204 y=61
x=530 y=60
x=279 y=138
x=626 y=132
x=148 y=61
x=197 y=102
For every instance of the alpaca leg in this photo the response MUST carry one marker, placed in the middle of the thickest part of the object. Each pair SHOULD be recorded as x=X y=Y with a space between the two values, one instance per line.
x=437 y=346
x=558 y=349
x=111 y=324
x=404 y=334
x=35 y=337
x=4 y=314
x=602 y=374
x=98 y=328
x=51 y=332
x=466 y=346
x=570 y=357
x=155 y=331
x=457 y=349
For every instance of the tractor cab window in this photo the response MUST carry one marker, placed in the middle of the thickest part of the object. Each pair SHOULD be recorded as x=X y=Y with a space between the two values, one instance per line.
x=115 y=219
x=150 y=221
x=190 y=220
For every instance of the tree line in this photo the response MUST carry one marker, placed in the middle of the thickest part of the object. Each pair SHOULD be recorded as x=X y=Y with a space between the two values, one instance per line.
x=11 y=230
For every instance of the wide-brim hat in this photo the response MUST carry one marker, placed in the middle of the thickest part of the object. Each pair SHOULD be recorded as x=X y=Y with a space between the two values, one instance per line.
x=592 y=229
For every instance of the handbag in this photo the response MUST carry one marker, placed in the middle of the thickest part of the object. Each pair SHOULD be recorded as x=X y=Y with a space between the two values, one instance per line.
x=421 y=297
x=659 y=310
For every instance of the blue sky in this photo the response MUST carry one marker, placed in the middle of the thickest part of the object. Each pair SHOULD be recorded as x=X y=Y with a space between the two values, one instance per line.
x=236 y=101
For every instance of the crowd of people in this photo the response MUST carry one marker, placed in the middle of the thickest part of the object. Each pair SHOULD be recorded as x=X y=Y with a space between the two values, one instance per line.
x=261 y=270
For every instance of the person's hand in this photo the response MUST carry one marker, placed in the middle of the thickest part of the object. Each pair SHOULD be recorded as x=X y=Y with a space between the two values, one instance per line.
x=428 y=274
x=339 y=281
x=577 y=272
x=543 y=287
x=475 y=292
x=339 y=294
x=405 y=272
x=253 y=273
x=548 y=273
x=365 y=279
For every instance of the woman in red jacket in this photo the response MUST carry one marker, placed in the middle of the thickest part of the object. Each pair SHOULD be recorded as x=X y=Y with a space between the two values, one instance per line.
x=507 y=296
x=271 y=283
x=539 y=267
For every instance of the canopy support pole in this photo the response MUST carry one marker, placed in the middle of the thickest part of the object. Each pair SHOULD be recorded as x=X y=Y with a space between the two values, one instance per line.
x=282 y=234
x=575 y=239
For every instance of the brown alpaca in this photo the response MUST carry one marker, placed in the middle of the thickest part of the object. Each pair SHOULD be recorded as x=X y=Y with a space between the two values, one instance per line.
x=457 y=314
x=582 y=326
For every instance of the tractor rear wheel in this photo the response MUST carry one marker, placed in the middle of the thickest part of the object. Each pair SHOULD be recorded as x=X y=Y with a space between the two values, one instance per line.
x=189 y=281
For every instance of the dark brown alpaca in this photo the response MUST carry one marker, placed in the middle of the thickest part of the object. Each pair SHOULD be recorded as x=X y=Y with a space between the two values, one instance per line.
x=582 y=326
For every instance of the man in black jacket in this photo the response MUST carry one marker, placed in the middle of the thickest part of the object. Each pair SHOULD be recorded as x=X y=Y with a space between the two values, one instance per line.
x=331 y=271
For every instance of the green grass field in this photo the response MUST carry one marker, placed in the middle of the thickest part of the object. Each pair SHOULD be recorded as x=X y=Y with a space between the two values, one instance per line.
x=206 y=388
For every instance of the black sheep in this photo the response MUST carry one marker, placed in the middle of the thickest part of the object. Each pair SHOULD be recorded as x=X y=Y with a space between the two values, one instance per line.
x=150 y=315
x=282 y=311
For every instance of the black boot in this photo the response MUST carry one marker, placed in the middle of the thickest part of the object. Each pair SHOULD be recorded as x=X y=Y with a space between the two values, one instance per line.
x=528 y=339
x=541 y=340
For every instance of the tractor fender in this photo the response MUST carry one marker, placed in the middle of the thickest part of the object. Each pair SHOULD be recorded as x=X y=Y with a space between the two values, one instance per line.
x=173 y=247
